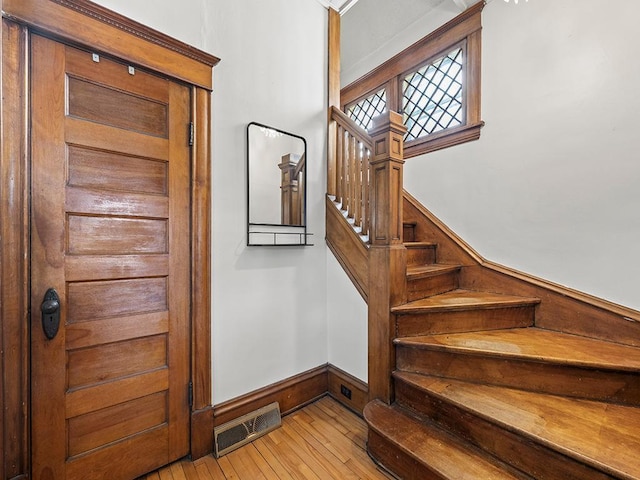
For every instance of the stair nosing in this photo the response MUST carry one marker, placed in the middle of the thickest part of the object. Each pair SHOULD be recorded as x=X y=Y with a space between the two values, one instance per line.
x=507 y=302
x=416 y=272
x=420 y=244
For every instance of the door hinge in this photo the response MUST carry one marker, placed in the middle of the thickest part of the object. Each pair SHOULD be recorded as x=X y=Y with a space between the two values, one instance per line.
x=190 y=393
x=191 y=134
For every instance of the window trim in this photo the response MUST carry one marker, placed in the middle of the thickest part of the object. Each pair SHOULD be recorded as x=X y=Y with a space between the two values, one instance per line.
x=464 y=29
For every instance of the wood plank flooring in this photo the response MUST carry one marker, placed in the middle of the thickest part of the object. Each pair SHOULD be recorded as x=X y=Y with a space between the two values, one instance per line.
x=319 y=442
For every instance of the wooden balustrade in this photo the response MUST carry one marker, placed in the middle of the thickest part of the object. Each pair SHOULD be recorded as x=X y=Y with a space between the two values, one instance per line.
x=352 y=171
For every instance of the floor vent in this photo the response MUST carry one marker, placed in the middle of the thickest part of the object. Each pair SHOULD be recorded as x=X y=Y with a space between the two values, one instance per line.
x=238 y=432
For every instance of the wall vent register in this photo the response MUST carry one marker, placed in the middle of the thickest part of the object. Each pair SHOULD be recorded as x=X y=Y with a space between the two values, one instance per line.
x=236 y=433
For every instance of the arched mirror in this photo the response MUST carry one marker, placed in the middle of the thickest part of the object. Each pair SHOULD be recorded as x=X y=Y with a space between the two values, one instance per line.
x=276 y=190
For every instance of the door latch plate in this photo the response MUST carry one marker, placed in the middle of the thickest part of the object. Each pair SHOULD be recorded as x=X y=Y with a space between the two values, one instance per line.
x=50 y=313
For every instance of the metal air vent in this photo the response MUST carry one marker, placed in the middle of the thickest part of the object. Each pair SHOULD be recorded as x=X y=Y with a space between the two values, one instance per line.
x=236 y=433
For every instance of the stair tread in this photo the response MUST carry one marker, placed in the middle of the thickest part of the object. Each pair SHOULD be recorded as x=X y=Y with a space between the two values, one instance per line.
x=420 y=271
x=464 y=300
x=447 y=455
x=603 y=435
x=533 y=344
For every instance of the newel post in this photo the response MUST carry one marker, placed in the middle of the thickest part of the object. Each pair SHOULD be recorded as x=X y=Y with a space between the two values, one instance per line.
x=290 y=211
x=387 y=255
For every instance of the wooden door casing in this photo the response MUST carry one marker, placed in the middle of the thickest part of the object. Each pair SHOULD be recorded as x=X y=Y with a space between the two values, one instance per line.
x=110 y=231
x=80 y=22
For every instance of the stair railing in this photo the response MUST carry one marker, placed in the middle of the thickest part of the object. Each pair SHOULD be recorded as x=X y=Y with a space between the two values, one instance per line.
x=365 y=177
x=350 y=186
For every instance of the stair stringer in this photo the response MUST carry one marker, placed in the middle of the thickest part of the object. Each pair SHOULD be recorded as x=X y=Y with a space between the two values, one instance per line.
x=561 y=308
x=348 y=248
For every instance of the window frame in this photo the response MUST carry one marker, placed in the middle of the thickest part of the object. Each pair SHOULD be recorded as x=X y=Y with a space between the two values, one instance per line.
x=464 y=30
x=431 y=61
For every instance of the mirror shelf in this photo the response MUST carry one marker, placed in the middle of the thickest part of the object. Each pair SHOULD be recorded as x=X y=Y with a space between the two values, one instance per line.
x=270 y=235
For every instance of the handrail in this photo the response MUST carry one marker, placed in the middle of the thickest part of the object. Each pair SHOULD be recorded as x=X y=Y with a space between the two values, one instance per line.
x=348 y=124
x=300 y=165
x=352 y=170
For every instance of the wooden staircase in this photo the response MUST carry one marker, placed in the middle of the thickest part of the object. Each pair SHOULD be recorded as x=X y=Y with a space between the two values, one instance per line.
x=476 y=371
x=481 y=392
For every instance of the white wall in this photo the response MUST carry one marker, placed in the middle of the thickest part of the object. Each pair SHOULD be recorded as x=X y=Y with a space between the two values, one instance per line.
x=269 y=304
x=347 y=322
x=184 y=20
x=551 y=188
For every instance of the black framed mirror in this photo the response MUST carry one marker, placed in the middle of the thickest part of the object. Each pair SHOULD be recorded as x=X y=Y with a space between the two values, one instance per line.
x=276 y=187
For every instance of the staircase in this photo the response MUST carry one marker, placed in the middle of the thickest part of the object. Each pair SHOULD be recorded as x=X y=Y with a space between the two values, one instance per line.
x=482 y=392
x=476 y=371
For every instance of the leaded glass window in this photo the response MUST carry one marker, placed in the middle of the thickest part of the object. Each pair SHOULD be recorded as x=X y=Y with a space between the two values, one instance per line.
x=364 y=111
x=434 y=83
x=432 y=96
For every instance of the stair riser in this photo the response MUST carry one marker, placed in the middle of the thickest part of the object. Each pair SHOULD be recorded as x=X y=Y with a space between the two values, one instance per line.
x=524 y=454
x=409 y=325
x=397 y=461
x=616 y=387
x=434 y=285
x=421 y=255
x=408 y=232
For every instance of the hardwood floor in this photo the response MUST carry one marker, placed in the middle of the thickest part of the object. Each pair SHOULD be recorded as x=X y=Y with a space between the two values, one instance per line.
x=321 y=441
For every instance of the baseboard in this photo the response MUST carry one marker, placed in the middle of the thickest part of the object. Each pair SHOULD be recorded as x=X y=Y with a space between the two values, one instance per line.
x=353 y=387
x=201 y=433
x=291 y=393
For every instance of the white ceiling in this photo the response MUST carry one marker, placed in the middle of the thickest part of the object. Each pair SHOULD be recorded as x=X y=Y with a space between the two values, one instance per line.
x=343 y=5
x=381 y=28
x=338 y=5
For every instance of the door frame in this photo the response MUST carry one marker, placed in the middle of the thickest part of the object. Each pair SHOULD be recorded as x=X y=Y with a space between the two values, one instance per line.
x=82 y=23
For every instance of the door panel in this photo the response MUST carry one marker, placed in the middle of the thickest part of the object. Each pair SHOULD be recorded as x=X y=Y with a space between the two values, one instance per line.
x=110 y=232
x=110 y=171
x=109 y=106
x=89 y=431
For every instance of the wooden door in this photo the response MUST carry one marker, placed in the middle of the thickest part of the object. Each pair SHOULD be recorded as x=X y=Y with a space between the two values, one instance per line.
x=110 y=219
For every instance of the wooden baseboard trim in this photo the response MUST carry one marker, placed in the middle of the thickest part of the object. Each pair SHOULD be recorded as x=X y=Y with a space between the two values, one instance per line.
x=291 y=393
x=358 y=389
x=584 y=314
x=602 y=304
x=201 y=433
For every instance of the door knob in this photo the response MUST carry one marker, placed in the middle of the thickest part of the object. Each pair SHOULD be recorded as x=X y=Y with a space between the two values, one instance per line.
x=50 y=313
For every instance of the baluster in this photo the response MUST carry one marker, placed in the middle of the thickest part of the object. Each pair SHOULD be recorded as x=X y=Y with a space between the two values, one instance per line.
x=352 y=176
x=357 y=214
x=339 y=161
x=366 y=182
x=344 y=173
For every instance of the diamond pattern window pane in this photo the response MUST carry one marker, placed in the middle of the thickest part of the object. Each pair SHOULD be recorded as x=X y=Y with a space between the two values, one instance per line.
x=432 y=96
x=365 y=110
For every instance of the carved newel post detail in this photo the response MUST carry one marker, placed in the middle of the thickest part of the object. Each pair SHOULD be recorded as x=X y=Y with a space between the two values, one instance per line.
x=387 y=255
x=291 y=211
